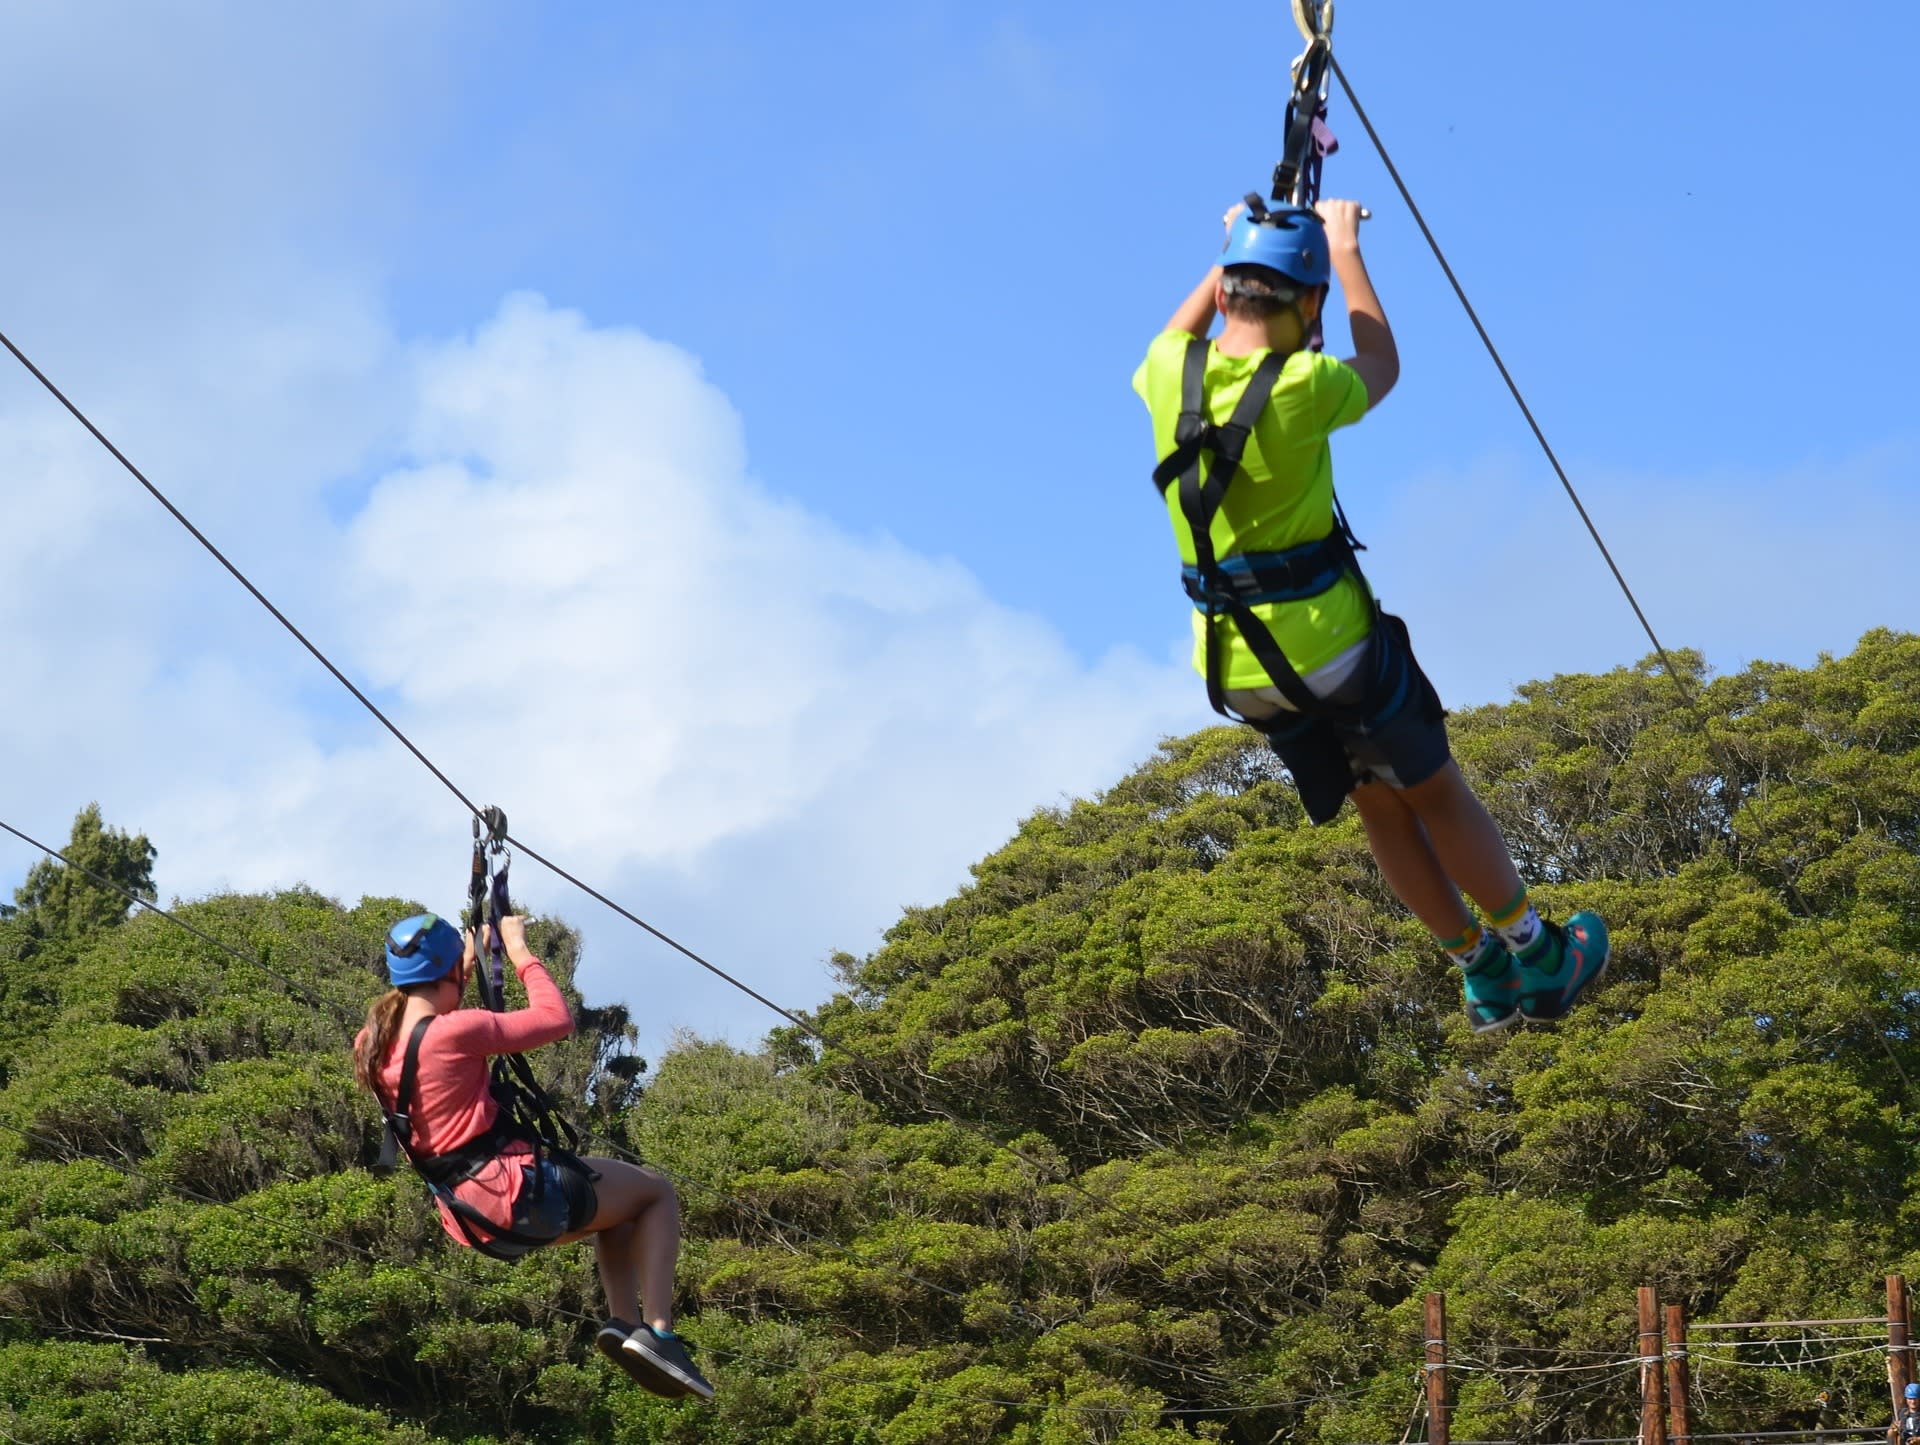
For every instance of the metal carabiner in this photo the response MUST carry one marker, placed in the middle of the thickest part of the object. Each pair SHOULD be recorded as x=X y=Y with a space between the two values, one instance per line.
x=1291 y=178
x=1314 y=19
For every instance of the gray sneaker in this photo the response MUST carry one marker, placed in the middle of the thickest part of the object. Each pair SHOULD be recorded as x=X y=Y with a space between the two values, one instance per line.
x=613 y=1334
x=668 y=1357
x=612 y=1338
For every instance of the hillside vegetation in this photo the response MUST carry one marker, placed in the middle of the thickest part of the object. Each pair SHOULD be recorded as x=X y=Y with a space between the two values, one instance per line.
x=1159 y=1128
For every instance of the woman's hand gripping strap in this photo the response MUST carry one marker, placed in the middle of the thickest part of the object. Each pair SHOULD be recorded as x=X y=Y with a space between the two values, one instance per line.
x=487 y=901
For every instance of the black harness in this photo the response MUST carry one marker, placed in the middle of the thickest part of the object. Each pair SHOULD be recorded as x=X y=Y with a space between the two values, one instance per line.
x=527 y=1114
x=1232 y=586
x=443 y=1171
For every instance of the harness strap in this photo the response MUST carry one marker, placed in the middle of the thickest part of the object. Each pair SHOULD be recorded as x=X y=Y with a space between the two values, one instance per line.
x=1194 y=430
x=1232 y=587
x=512 y=1082
x=1296 y=179
x=1262 y=577
x=401 y=1119
x=442 y=1171
x=490 y=973
x=521 y=1096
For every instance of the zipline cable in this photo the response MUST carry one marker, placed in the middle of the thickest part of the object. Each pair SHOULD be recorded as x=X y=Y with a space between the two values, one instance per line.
x=594 y=893
x=368 y=703
x=303 y=990
x=1015 y=1311
x=1507 y=376
x=1688 y=694
x=239 y=576
x=68 y=1155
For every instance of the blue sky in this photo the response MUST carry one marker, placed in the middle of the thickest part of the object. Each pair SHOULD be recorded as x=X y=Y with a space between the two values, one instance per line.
x=879 y=226
x=778 y=359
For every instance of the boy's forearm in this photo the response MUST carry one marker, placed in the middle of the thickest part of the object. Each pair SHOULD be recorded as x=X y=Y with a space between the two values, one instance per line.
x=1195 y=315
x=1366 y=318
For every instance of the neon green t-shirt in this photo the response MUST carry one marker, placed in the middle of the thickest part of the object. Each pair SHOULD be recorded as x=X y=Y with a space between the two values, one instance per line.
x=1281 y=496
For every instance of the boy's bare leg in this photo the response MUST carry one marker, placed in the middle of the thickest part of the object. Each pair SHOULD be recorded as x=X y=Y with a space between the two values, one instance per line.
x=1407 y=858
x=1464 y=838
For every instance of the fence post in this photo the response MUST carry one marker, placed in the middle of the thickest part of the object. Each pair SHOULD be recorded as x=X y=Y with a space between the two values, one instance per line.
x=1653 y=1415
x=1436 y=1369
x=1679 y=1421
x=1899 y=1358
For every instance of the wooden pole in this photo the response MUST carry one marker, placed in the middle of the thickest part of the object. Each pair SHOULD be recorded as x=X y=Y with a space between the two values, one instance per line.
x=1436 y=1369
x=1653 y=1414
x=1899 y=1343
x=1679 y=1423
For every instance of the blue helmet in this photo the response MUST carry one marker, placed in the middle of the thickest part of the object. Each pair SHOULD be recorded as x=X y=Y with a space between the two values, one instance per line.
x=421 y=949
x=1913 y=1392
x=1290 y=240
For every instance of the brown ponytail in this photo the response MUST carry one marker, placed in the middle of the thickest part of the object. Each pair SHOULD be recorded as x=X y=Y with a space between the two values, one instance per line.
x=375 y=1041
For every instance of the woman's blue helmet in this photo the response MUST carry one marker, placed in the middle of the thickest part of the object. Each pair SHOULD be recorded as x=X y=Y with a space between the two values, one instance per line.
x=1290 y=240
x=421 y=949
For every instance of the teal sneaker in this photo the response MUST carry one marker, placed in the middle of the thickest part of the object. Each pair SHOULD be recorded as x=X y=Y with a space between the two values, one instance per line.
x=1493 y=986
x=1558 y=965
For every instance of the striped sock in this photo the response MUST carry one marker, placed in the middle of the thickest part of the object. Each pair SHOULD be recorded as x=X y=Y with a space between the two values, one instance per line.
x=1466 y=950
x=1517 y=924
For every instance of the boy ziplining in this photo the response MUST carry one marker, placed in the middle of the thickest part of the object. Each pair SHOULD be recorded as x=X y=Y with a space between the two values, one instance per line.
x=1286 y=630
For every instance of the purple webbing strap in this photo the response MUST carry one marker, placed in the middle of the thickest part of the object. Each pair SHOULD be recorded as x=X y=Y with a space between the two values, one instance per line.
x=501 y=906
x=1323 y=143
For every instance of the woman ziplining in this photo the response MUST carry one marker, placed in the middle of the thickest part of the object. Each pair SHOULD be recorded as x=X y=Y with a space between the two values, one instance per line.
x=499 y=1185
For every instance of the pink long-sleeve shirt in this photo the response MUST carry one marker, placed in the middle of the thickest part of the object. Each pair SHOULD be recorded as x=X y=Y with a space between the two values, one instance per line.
x=451 y=1104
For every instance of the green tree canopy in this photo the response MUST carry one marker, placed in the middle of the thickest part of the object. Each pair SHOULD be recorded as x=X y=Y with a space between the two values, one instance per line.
x=88 y=892
x=1158 y=1129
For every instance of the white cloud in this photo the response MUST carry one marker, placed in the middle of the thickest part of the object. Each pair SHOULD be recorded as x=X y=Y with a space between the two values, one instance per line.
x=1501 y=583
x=579 y=602
x=580 y=592
x=764 y=731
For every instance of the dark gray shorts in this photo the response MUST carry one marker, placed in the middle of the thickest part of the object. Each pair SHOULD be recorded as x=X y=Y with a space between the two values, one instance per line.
x=1405 y=744
x=557 y=1198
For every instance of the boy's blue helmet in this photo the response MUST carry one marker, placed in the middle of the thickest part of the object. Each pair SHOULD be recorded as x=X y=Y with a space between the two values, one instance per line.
x=1913 y=1392
x=1290 y=240
x=421 y=949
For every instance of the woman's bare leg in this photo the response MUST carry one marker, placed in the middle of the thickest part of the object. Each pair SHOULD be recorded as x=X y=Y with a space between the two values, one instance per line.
x=636 y=1240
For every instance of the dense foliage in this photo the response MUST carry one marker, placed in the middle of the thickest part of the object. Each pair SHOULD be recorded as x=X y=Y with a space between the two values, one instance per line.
x=1160 y=1128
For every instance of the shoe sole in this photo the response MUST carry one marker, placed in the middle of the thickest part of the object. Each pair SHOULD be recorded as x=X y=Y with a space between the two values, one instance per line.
x=1493 y=1026
x=679 y=1384
x=1505 y=1021
x=641 y=1368
x=609 y=1341
x=1566 y=1004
